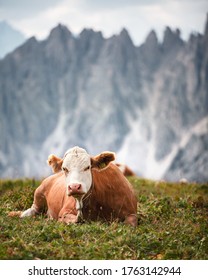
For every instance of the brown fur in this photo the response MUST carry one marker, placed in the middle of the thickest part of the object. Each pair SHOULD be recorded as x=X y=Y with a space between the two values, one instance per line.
x=126 y=170
x=51 y=195
x=112 y=197
x=55 y=163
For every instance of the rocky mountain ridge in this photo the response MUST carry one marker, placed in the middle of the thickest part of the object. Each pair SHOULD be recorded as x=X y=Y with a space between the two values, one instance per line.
x=106 y=94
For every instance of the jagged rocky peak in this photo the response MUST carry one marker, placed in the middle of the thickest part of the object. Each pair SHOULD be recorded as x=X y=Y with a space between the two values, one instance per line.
x=31 y=41
x=88 y=33
x=152 y=39
x=151 y=44
x=59 y=44
x=124 y=33
x=123 y=50
x=171 y=39
x=119 y=48
x=125 y=37
x=196 y=36
x=150 y=51
x=121 y=39
x=89 y=43
x=89 y=37
x=28 y=47
x=60 y=32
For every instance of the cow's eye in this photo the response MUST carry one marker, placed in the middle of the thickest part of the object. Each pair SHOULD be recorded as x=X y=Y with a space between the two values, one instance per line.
x=87 y=168
x=65 y=170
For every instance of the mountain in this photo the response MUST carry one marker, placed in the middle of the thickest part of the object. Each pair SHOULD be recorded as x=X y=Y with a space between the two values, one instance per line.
x=10 y=38
x=148 y=103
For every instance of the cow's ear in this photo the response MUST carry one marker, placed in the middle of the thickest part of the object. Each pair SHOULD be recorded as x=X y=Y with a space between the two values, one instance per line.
x=102 y=160
x=55 y=163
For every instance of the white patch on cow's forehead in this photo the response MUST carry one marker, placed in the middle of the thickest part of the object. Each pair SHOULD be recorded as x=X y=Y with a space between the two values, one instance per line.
x=76 y=157
x=75 y=150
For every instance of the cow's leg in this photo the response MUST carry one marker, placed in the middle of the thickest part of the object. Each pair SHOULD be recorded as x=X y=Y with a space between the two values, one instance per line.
x=29 y=212
x=38 y=204
x=131 y=220
x=68 y=214
x=68 y=218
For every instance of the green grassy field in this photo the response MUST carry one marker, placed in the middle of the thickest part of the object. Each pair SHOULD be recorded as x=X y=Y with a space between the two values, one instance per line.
x=173 y=224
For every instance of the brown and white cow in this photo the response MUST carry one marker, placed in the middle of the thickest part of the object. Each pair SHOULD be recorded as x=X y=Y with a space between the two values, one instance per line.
x=125 y=169
x=85 y=187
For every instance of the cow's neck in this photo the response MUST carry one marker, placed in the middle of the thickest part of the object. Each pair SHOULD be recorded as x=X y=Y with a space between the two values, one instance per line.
x=83 y=203
x=90 y=203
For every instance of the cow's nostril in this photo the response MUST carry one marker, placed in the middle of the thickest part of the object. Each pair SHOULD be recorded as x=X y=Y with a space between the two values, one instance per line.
x=74 y=188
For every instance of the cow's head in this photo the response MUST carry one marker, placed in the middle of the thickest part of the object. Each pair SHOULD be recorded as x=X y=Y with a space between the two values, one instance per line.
x=76 y=165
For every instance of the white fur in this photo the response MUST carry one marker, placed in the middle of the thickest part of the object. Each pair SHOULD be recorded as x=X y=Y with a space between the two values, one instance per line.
x=76 y=160
x=79 y=206
x=29 y=212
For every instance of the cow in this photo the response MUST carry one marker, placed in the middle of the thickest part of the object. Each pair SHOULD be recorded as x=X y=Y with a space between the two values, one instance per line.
x=85 y=188
x=125 y=170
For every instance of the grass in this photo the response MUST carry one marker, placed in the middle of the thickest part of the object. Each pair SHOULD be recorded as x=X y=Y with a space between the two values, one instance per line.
x=173 y=224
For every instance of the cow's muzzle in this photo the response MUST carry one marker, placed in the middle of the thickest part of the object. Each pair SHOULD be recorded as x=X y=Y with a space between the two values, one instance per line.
x=75 y=189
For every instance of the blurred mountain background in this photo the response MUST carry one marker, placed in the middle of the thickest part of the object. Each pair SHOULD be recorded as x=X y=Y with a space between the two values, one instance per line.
x=10 y=38
x=148 y=103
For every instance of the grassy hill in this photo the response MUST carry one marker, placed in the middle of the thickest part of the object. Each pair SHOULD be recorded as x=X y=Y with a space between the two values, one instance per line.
x=173 y=224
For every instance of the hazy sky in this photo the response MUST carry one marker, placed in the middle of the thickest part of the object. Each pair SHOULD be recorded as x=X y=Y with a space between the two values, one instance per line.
x=139 y=17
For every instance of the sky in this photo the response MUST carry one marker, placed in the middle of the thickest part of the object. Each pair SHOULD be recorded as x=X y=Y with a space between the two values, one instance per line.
x=139 y=17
